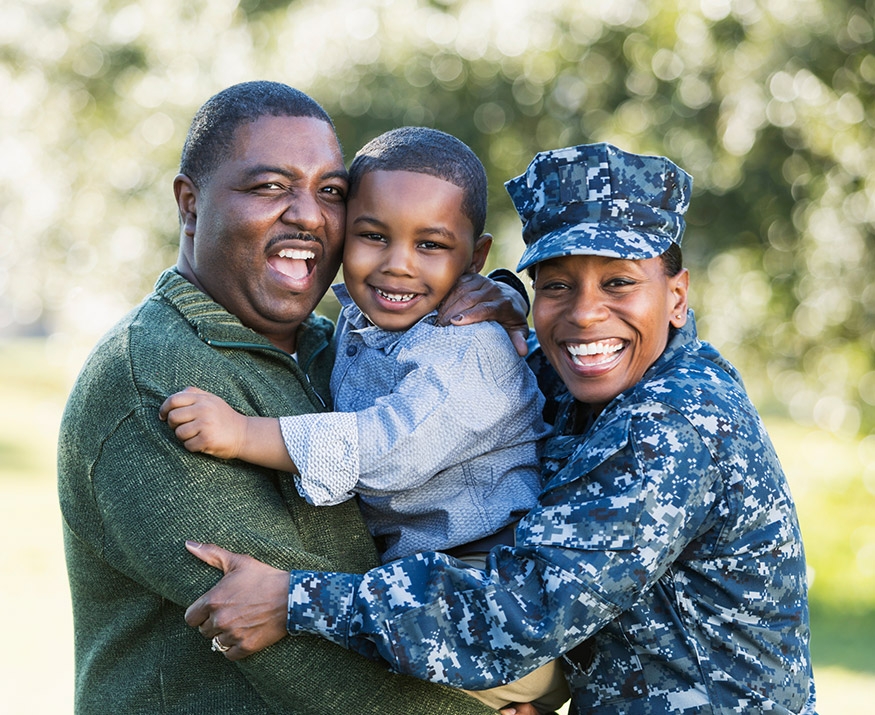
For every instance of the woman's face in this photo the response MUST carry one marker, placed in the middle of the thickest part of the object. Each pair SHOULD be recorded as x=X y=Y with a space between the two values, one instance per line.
x=603 y=321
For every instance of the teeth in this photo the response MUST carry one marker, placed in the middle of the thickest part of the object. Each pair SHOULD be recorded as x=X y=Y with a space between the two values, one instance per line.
x=395 y=297
x=299 y=254
x=600 y=348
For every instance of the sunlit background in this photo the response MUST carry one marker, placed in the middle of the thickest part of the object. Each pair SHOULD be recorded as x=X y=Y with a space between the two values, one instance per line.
x=770 y=104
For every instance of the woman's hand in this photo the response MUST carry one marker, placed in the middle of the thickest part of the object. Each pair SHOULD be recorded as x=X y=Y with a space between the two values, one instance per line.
x=247 y=609
x=519 y=709
x=476 y=298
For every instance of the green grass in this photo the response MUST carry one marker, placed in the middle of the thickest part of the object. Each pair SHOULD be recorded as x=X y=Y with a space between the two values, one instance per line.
x=826 y=475
x=837 y=513
x=33 y=382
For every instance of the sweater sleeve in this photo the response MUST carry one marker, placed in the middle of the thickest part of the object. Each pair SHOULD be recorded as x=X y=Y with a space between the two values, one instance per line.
x=152 y=495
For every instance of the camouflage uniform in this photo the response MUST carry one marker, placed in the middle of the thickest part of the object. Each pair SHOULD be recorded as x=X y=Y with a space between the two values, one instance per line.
x=664 y=561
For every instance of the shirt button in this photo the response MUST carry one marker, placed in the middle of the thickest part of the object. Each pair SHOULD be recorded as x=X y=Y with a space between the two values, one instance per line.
x=351 y=350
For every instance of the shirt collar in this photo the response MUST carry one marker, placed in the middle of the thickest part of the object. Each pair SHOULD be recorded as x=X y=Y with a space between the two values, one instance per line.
x=371 y=335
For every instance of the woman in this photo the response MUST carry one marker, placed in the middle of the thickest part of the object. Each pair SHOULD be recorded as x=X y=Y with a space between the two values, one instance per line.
x=664 y=561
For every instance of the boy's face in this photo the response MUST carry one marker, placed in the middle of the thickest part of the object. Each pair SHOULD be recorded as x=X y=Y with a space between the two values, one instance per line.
x=603 y=321
x=407 y=243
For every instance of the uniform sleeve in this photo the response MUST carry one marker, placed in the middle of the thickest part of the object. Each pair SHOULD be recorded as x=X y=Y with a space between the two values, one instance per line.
x=153 y=495
x=470 y=395
x=608 y=526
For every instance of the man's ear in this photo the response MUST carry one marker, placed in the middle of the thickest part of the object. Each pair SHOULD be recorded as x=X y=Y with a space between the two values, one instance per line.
x=481 y=250
x=186 y=194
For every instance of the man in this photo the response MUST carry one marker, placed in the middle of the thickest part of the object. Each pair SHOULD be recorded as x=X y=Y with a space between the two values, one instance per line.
x=261 y=202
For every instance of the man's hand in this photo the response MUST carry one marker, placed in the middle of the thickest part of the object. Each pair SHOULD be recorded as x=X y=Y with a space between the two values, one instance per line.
x=476 y=298
x=205 y=423
x=247 y=609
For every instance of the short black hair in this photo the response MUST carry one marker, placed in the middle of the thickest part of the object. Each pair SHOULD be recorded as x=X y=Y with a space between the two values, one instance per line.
x=423 y=150
x=672 y=260
x=212 y=130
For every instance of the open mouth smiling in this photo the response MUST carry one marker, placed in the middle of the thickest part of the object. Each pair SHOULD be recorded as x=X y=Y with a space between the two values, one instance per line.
x=296 y=263
x=594 y=353
x=394 y=297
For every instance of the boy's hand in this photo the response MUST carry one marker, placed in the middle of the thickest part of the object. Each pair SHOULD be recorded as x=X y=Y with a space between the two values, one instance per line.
x=205 y=423
x=519 y=709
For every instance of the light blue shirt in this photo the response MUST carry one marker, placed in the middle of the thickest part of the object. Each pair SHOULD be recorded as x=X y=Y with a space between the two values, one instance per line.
x=436 y=430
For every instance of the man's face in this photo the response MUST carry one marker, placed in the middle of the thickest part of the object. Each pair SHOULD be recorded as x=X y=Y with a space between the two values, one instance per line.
x=407 y=243
x=603 y=321
x=263 y=236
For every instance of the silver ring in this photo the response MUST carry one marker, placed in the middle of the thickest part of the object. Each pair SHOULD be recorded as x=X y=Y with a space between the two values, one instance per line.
x=218 y=646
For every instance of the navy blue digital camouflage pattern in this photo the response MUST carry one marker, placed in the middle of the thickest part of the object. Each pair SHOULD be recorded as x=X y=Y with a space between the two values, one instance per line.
x=664 y=560
x=598 y=199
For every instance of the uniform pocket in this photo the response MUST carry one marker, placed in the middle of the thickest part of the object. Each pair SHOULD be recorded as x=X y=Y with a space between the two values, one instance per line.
x=592 y=502
x=604 y=670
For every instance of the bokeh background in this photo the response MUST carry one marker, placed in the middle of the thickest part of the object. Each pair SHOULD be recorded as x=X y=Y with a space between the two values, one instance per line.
x=770 y=104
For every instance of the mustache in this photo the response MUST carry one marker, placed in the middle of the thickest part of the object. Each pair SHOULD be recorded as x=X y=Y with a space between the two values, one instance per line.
x=296 y=236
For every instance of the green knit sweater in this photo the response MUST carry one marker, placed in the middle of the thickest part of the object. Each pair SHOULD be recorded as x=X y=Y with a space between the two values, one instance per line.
x=131 y=494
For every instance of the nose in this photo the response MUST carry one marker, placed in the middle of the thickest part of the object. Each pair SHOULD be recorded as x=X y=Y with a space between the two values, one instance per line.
x=588 y=307
x=399 y=259
x=304 y=211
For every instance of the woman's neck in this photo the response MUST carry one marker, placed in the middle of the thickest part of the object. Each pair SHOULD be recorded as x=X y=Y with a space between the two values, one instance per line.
x=581 y=417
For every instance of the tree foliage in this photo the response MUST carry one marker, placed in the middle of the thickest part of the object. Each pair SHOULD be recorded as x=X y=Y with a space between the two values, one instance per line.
x=768 y=103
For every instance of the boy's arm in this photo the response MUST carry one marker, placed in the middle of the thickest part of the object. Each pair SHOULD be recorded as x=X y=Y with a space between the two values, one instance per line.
x=469 y=394
x=206 y=423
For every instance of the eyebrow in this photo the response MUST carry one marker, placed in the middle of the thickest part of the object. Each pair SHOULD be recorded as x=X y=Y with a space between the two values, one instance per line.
x=428 y=230
x=260 y=169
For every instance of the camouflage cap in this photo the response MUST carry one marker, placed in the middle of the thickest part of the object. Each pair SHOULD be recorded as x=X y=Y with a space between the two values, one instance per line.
x=599 y=200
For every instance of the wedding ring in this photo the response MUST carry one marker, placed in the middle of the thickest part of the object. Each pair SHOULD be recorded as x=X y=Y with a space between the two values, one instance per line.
x=218 y=646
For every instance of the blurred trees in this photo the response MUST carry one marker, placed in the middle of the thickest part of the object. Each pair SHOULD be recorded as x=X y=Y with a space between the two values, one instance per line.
x=768 y=103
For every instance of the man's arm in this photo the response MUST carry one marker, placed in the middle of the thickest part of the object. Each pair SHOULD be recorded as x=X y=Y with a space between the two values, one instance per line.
x=166 y=494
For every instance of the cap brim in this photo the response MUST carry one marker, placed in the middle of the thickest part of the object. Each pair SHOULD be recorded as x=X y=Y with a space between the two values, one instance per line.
x=594 y=240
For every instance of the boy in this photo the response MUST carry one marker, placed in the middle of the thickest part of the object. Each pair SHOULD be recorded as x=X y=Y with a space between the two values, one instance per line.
x=436 y=428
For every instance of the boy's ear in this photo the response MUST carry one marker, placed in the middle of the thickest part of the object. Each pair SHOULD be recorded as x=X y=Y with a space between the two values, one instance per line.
x=481 y=250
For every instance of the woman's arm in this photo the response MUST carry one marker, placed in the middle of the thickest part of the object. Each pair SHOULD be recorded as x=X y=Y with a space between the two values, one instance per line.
x=500 y=297
x=611 y=525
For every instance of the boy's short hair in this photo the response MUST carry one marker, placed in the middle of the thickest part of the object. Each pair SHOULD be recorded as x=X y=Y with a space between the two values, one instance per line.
x=423 y=150
x=212 y=130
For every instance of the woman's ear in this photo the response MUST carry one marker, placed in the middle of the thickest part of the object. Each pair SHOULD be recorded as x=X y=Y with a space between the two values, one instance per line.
x=481 y=250
x=186 y=194
x=679 y=285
